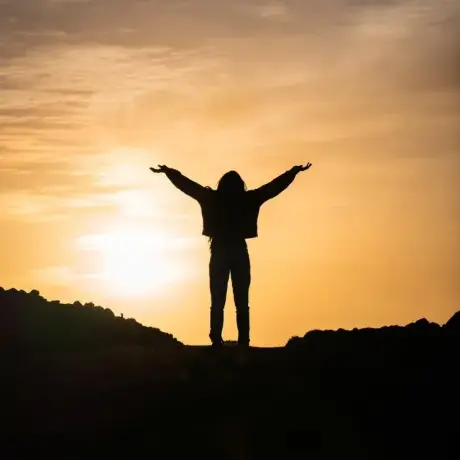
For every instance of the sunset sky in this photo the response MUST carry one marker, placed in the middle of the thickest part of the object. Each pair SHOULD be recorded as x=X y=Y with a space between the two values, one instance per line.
x=94 y=92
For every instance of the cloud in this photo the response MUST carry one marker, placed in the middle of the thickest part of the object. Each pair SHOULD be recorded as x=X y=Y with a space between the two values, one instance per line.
x=65 y=200
x=80 y=78
x=50 y=204
x=151 y=243
x=269 y=10
x=55 y=275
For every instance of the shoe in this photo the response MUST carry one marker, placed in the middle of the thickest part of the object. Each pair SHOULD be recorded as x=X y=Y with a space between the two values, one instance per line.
x=218 y=344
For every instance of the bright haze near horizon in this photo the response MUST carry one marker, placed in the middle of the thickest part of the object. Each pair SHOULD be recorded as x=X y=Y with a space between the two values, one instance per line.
x=94 y=92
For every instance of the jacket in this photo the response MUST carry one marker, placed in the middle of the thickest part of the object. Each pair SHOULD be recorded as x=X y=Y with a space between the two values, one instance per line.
x=230 y=215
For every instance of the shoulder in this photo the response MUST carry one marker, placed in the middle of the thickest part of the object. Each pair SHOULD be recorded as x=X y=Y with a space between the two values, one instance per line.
x=252 y=196
x=253 y=193
x=208 y=193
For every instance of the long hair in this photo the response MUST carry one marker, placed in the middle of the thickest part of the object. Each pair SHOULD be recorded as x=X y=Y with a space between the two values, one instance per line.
x=230 y=183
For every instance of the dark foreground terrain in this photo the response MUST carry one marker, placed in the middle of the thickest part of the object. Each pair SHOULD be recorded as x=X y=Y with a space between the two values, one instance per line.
x=78 y=382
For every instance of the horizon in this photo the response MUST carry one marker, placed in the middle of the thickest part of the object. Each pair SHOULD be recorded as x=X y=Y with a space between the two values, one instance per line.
x=368 y=92
x=122 y=315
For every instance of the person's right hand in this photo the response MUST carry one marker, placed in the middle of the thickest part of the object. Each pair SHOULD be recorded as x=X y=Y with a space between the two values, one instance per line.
x=300 y=168
x=160 y=169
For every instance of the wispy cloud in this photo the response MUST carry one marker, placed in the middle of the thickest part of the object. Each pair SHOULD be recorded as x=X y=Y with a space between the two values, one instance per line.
x=94 y=78
x=55 y=275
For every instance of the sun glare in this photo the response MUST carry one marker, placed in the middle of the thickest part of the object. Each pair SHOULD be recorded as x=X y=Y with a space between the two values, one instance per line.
x=133 y=263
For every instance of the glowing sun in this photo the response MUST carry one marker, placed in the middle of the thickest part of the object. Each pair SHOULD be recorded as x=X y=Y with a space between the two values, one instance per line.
x=134 y=263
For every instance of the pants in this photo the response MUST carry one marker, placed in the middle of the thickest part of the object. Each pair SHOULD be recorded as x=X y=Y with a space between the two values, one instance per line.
x=229 y=258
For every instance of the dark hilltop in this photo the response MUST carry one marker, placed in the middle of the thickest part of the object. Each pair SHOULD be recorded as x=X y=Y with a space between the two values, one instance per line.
x=79 y=381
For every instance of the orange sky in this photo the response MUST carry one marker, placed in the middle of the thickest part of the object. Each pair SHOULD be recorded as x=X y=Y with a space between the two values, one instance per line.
x=94 y=92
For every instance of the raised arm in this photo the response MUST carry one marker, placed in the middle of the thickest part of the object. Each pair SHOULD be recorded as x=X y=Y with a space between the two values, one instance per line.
x=183 y=183
x=279 y=184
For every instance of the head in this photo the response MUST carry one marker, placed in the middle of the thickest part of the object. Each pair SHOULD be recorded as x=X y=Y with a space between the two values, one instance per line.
x=231 y=182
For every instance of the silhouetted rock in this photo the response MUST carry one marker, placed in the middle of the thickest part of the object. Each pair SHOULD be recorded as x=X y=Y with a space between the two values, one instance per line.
x=77 y=379
x=33 y=323
x=453 y=325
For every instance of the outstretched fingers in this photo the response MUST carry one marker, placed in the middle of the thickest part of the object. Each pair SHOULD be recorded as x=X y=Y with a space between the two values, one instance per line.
x=300 y=168
x=304 y=168
x=160 y=169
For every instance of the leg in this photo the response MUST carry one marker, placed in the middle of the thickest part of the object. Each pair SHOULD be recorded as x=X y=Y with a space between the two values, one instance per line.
x=219 y=271
x=241 y=280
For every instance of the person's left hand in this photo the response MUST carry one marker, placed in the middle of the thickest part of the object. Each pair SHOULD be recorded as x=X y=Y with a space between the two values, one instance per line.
x=300 y=168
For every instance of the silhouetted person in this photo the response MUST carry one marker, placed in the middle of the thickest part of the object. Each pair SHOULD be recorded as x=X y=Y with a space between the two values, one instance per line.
x=230 y=216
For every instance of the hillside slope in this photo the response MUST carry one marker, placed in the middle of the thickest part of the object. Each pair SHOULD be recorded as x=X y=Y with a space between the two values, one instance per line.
x=363 y=394
x=29 y=321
